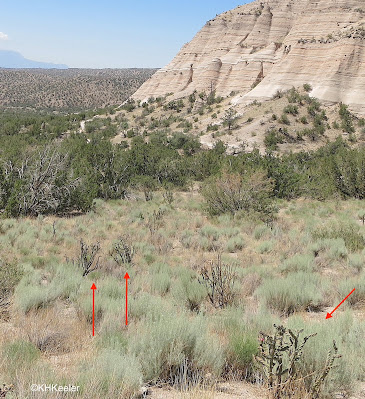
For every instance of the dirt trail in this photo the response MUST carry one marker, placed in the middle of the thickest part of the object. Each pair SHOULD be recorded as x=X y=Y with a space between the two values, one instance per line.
x=228 y=390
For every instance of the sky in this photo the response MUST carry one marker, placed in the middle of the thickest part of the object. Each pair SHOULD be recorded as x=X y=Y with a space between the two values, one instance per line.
x=104 y=34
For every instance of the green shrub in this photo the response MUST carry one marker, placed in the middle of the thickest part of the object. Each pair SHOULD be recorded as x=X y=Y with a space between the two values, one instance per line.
x=265 y=247
x=145 y=248
x=213 y=128
x=358 y=296
x=304 y=120
x=130 y=105
x=348 y=173
x=19 y=354
x=110 y=288
x=150 y=307
x=291 y=109
x=210 y=231
x=345 y=332
x=272 y=139
x=313 y=107
x=232 y=193
x=111 y=336
x=114 y=374
x=296 y=292
x=175 y=105
x=307 y=87
x=207 y=244
x=356 y=261
x=109 y=296
x=164 y=345
x=30 y=293
x=260 y=230
x=346 y=118
x=335 y=125
x=187 y=289
x=294 y=96
x=282 y=362
x=10 y=275
x=335 y=247
x=242 y=347
x=235 y=244
x=188 y=239
x=65 y=283
x=349 y=232
x=161 y=282
x=298 y=263
x=228 y=232
x=284 y=119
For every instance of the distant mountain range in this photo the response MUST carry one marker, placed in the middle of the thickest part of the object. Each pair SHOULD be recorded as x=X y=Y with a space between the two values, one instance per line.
x=12 y=59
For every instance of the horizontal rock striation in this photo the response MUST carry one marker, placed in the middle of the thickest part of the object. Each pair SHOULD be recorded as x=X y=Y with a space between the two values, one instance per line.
x=265 y=46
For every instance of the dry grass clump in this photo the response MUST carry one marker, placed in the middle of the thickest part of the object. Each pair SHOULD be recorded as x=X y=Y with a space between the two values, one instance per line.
x=47 y=330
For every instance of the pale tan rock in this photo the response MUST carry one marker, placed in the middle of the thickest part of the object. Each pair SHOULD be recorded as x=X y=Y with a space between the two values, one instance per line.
x=259 y=48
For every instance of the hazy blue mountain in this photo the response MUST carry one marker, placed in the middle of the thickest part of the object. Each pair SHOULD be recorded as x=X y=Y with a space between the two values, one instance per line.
x=12 y=59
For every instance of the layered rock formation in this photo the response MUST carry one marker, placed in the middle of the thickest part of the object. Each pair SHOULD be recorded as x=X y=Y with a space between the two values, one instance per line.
x=259 y=48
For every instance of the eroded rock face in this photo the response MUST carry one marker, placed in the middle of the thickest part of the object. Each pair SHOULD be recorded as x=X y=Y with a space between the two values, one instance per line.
x=259 y=48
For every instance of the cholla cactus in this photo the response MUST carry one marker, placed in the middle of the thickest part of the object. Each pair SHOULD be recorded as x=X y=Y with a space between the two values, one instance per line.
x=320 y=378
x=123 y=251
x=5 y=389
x=88 y=260
x=155 y=220
x=279 y=359
x=219 y=279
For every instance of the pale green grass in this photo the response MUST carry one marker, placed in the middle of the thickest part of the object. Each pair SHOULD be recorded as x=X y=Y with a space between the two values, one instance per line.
x=297 y=292
x=282 y=269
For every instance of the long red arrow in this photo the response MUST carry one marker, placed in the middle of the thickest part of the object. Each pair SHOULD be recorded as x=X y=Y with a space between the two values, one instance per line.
x=126 y=277
x=329 y=315
x=93 y=287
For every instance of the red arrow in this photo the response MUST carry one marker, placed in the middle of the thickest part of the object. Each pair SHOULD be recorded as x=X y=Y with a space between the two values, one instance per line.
x=93 y=287
x=126 y=277
x=329 y=315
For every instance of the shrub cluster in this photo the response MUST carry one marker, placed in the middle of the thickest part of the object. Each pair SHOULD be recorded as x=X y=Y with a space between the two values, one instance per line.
x=232 y=193
x=41 y=176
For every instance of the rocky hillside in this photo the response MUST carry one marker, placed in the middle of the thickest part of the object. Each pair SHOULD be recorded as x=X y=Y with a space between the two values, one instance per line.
x=259 y=48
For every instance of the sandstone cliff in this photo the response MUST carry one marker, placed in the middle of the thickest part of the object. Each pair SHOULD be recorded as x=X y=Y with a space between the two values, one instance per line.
x=267 y=45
